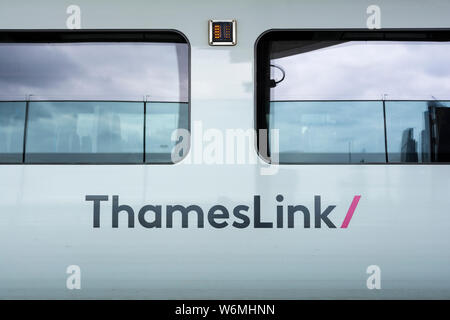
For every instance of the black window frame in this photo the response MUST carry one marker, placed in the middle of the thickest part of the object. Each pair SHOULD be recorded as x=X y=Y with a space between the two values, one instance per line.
x=262 y=72
x=95 y=35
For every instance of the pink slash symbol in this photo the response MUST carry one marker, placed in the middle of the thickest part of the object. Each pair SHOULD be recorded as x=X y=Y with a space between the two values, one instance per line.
x=350 y=212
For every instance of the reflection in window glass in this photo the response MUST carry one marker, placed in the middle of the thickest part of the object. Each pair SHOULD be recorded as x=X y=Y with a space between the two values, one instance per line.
x=12 y=121
x=84 y=132
x=354 y=96
x=94 y=71
x=334 y=132
x=418 y=131
x=161 y=121
x=83 y=96
x=361 y=70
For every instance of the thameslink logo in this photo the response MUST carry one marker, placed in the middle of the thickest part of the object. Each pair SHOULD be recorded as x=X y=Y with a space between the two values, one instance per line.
x=219 y=216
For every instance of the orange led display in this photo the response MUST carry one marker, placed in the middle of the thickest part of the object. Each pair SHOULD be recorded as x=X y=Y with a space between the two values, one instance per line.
x=217 y=31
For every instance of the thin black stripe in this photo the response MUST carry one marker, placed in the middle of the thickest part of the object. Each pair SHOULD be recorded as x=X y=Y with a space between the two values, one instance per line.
x=25 y=129
x=385 y=131
x=145 y=127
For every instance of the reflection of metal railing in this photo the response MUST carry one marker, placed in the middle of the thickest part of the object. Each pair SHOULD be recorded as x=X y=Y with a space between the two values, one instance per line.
x=424 y=142
x=66 y=145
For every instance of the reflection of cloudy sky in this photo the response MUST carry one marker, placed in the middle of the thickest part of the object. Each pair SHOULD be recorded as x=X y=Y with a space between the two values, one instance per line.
x=95 y=71
x=367 y=70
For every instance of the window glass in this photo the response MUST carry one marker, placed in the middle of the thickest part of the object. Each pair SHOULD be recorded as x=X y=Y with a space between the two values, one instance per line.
x=418 y=131
x=12 y=121
x=161 y=121
x=335 y=132
x=84 y=132
x=92 y=96
x=354 y=96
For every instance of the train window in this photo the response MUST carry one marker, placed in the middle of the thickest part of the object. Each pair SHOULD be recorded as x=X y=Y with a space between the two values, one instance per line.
x=93 y=97
x=355 y=96
x=12 y=122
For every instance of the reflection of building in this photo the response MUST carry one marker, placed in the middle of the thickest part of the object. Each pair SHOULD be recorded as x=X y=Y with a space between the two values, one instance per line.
x=434 y=137
x=439 y=131
x=425 y=138
x=409 y=146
